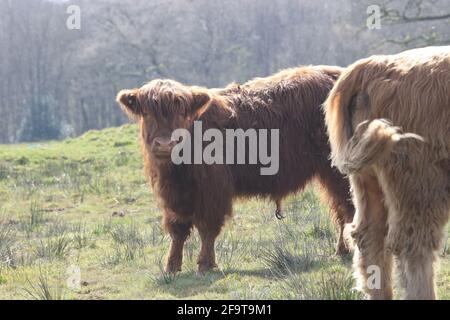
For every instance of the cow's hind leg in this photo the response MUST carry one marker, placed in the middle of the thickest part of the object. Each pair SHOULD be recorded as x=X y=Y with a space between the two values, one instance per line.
x=418 y=276
x=415 y=244
x=179 y=231
x=419 y=207
x=342 y=248
x=335 y=190
x=371 y=262
x=415 y=238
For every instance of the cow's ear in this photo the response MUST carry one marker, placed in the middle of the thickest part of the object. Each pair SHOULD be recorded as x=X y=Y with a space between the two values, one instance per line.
x=201 y=101
x=127 y=99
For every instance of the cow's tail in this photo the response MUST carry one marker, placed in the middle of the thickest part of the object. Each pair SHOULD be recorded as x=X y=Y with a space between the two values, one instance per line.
x=355 y=148
x=372 y=141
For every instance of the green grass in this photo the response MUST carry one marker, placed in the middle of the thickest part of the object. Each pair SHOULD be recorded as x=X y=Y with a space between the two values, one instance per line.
x=85 y=203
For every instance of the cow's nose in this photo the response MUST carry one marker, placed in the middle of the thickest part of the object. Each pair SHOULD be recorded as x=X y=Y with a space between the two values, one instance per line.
x=163 y=144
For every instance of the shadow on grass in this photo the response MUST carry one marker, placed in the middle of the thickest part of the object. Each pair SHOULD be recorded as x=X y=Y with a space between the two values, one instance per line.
x=190 y=283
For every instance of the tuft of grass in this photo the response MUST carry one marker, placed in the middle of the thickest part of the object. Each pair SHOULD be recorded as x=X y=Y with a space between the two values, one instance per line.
x=128 y=234
x=157 y=235
x=282 y=261
x=81 y=238
x=36 y=216
x=129 y=244
x=22 y=161
x=103 y=227
x=43 y=288
x=332 y=285
x=56 y=229
x=321 y=229
x=162 y=277
x=53 y=248
x=7 y=244
x=230 y=252
x=12 y=252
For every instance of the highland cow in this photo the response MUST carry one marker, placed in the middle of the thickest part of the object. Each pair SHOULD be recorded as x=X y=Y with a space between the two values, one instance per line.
x=400 y=181
x=201 y=195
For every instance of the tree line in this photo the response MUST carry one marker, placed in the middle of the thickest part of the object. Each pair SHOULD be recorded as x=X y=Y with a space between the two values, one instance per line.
x=57 y=82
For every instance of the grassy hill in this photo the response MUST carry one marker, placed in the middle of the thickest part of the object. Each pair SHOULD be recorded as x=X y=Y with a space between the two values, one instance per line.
x=80 y=209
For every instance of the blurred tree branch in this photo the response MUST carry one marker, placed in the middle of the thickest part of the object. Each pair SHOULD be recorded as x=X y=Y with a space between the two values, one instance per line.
x=126 y=29
x=411 y=12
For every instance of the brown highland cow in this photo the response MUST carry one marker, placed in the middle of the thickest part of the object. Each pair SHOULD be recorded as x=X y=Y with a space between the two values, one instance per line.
x=201 y=195
x=400 y=182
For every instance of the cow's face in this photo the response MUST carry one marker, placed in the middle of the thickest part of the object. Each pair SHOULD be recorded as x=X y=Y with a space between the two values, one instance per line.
x=162 y=106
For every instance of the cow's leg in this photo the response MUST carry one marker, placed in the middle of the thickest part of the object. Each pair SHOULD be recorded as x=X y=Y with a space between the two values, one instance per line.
x=418 y=276
x=419 y=207
x=207 y=257
x=336 y=192
x=415 y=246
x=341 y=246
x=179 y=231
x=415 y=237
x=371 y=262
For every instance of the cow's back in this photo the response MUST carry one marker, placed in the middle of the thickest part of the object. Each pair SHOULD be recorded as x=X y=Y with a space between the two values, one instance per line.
x=289 y=101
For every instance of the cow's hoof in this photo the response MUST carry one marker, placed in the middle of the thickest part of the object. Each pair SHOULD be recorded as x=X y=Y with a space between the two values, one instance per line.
x=173 y=268
x=204 y=268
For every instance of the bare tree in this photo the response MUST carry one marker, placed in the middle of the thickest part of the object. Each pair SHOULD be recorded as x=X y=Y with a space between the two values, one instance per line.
x=55 y=82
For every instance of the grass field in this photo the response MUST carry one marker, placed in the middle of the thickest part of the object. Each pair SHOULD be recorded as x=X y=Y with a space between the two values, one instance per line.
x=78 y=221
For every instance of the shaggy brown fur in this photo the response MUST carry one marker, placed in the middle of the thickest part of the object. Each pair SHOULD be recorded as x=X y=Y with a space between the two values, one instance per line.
x=201 y=195
x=400 y=182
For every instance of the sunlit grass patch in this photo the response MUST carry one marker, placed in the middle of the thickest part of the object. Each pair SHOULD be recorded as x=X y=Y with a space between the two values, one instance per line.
x=44 y=287
x=331 y=284
x=85 y=202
